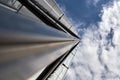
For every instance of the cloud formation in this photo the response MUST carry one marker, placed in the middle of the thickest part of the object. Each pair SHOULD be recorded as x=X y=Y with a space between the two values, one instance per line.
x=99 y=51
x=92 y=2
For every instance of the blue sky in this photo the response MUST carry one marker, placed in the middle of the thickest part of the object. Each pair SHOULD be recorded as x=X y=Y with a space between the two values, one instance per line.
x=98 y=53
x=86 y=11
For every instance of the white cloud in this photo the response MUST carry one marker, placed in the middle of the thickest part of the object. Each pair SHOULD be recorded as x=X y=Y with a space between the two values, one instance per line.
x=92 y=2
x=99 y=51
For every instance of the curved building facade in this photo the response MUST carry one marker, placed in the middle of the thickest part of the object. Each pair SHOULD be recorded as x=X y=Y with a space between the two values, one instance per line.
x=37 y=41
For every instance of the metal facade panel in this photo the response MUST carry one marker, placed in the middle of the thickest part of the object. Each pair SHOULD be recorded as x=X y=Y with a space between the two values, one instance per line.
x=59 y=73
x=74 y=30
x=27 y=13
x=28 y=45
x=51 y=7
x=25 y=67
x=25 y=44
x=11 y=3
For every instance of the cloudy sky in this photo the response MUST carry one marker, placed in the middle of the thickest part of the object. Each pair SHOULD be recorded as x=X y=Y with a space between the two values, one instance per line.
x=98 y=25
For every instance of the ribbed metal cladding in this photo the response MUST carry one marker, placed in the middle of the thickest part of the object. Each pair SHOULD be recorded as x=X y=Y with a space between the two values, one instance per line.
x=29 y=42
x=52 y=7
x=46 y=16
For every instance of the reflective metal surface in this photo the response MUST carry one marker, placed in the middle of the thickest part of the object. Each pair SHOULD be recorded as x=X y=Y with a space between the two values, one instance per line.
x=11 y=3
x=28 y=45
x=60 y=72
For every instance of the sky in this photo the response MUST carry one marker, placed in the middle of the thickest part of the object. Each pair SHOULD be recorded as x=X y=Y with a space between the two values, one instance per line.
x=98 y=25
x=84 y=12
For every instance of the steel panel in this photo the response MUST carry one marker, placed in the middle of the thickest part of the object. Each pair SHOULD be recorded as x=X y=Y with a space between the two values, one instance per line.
x=27 y=45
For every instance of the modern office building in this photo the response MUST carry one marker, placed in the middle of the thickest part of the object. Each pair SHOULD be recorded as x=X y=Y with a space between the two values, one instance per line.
x=37 y=41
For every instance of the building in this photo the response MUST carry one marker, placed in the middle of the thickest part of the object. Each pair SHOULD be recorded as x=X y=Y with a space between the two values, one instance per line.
x=37 y=41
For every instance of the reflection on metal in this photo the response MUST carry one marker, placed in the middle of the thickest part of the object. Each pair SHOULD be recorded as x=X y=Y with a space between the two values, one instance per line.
x=11 y=3
x=50 y=71
x=34 y=42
